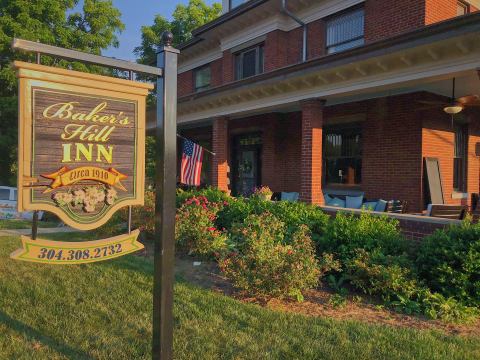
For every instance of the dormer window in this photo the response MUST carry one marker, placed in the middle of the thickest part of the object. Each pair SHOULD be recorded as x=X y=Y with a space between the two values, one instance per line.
x=345 y=31
x=249 y=62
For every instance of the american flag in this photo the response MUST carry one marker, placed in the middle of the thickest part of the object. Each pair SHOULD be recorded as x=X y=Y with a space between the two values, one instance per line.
x=192 y=156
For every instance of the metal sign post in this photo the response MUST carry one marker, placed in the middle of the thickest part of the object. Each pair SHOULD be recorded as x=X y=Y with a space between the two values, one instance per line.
x=166 y=164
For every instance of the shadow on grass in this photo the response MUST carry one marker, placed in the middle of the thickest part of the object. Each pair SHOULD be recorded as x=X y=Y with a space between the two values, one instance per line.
x=35 y=335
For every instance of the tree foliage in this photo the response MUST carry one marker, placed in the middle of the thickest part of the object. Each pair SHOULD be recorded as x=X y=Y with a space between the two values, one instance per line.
x=53 y=22
x=185 y=19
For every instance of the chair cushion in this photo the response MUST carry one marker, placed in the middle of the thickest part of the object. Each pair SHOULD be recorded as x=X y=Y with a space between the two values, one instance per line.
x=327 y=198
x=370 y=205
x=337 y=202
x=354 y=202
x=381 y=205
x=290 y=196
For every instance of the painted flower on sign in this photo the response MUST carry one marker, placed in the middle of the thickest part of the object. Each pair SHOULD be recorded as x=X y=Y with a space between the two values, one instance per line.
x=89 y=198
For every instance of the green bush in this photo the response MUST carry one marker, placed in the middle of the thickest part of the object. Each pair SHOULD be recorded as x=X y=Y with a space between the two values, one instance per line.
x=265 y=265
x=347 y=233
x=292 y=214
x=212 y=194
x=380 y=275
x=195 y=230
x=449 y=262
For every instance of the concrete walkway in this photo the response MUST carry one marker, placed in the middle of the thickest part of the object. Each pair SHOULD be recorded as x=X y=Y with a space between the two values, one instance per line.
x=18 y=232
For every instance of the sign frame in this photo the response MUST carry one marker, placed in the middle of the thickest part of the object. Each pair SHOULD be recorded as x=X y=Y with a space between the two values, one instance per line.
x=35 y=76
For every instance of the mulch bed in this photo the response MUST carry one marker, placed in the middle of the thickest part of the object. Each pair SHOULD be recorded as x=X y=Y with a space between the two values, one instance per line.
x=317 y=301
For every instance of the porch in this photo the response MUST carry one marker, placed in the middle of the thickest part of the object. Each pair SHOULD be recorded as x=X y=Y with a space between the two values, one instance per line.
x=372 y=147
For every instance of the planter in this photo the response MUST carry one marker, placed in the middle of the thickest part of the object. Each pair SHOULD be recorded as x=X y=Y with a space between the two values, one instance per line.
x=265 y=196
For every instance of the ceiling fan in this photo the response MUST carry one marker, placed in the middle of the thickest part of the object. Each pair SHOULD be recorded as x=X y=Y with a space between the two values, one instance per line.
x=455 y=105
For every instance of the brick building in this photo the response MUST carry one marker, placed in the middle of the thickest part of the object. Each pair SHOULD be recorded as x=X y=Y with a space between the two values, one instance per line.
x=335 y=96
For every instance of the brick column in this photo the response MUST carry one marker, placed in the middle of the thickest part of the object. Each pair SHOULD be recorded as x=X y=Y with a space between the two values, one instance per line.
x=311 y=161
x=220 y=166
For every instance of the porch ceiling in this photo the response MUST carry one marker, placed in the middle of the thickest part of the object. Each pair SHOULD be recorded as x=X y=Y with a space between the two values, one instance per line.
x=421 y=60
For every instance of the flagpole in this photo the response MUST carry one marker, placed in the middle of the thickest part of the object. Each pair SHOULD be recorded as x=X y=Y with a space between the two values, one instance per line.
x=184 y=138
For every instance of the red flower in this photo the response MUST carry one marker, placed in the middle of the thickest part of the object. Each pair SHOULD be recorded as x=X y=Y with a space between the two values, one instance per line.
x=290 y=252
x=211 y=229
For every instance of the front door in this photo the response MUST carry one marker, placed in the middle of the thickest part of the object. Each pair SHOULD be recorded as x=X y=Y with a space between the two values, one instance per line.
x=246 y=160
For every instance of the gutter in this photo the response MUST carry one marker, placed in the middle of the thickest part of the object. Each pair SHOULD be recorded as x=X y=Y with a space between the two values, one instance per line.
x=287 y=12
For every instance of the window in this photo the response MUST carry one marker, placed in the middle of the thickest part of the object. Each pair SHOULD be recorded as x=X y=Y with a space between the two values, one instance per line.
x=235 y=3
x=460 y=158
x=462 y=8
x=345 y=31
x=343 y=154
x=249 y=62
x=202 y=77
x=4 y=194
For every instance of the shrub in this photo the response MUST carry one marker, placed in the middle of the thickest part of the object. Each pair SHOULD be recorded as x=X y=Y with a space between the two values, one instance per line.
x=292 y=214
x=347 y=233
x=449 y=262
x=264 y=265
x=213 y=195
x=384 y=276
x=195 y=230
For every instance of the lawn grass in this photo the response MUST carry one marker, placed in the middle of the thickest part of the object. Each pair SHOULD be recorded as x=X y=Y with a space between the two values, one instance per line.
x=24 y=224
x=103 y=311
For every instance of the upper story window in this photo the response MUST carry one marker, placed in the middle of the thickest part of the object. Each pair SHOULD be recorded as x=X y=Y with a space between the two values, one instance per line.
x=202 y=78
x=462 y=8
x=235 y=3
x=249 y=62
x=345 y=31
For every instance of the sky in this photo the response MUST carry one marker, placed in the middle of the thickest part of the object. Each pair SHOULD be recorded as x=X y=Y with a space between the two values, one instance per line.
x=135 y=14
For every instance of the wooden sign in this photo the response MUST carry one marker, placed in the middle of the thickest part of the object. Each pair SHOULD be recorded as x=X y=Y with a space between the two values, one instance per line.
x=63 y=253
x=81 y=144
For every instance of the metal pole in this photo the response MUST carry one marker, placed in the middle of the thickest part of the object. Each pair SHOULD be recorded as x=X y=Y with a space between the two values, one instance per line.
x=166 y=163
x=34 y=225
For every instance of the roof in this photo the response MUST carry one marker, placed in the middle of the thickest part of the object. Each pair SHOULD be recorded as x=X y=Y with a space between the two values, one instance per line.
x=239 y=10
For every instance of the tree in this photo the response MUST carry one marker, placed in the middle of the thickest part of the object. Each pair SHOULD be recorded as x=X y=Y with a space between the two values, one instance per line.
x=186 y=18
x=51 y=22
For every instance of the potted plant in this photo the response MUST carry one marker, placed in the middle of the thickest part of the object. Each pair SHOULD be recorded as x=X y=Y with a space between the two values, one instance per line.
x=263 y=193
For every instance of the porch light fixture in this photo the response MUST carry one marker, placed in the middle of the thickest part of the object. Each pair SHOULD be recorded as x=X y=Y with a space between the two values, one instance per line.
x=453 y=109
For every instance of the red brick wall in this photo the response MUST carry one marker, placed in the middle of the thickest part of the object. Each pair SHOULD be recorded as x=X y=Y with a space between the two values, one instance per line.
x=217 y=72
x=185 y=83
x=288 y=151
x=391 y=167
x=439 y=10
x=387 y=18
x=228 y=72
x=316 y=41
x=275 y=50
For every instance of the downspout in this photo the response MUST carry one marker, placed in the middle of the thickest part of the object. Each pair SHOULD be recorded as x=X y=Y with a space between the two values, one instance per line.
x=302 y=24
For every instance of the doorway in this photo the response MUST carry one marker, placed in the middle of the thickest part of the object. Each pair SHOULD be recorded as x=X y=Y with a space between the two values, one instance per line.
x=246 y=159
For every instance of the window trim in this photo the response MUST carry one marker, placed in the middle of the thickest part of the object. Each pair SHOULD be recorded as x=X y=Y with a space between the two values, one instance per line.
x=465 y=5
x=231 y=7
x=462 y=183
x=340 y=14
x=257 y=60
x=194 y=73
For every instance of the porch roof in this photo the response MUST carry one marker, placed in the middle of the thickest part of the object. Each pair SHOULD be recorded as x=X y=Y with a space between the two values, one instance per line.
x=436 y=52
